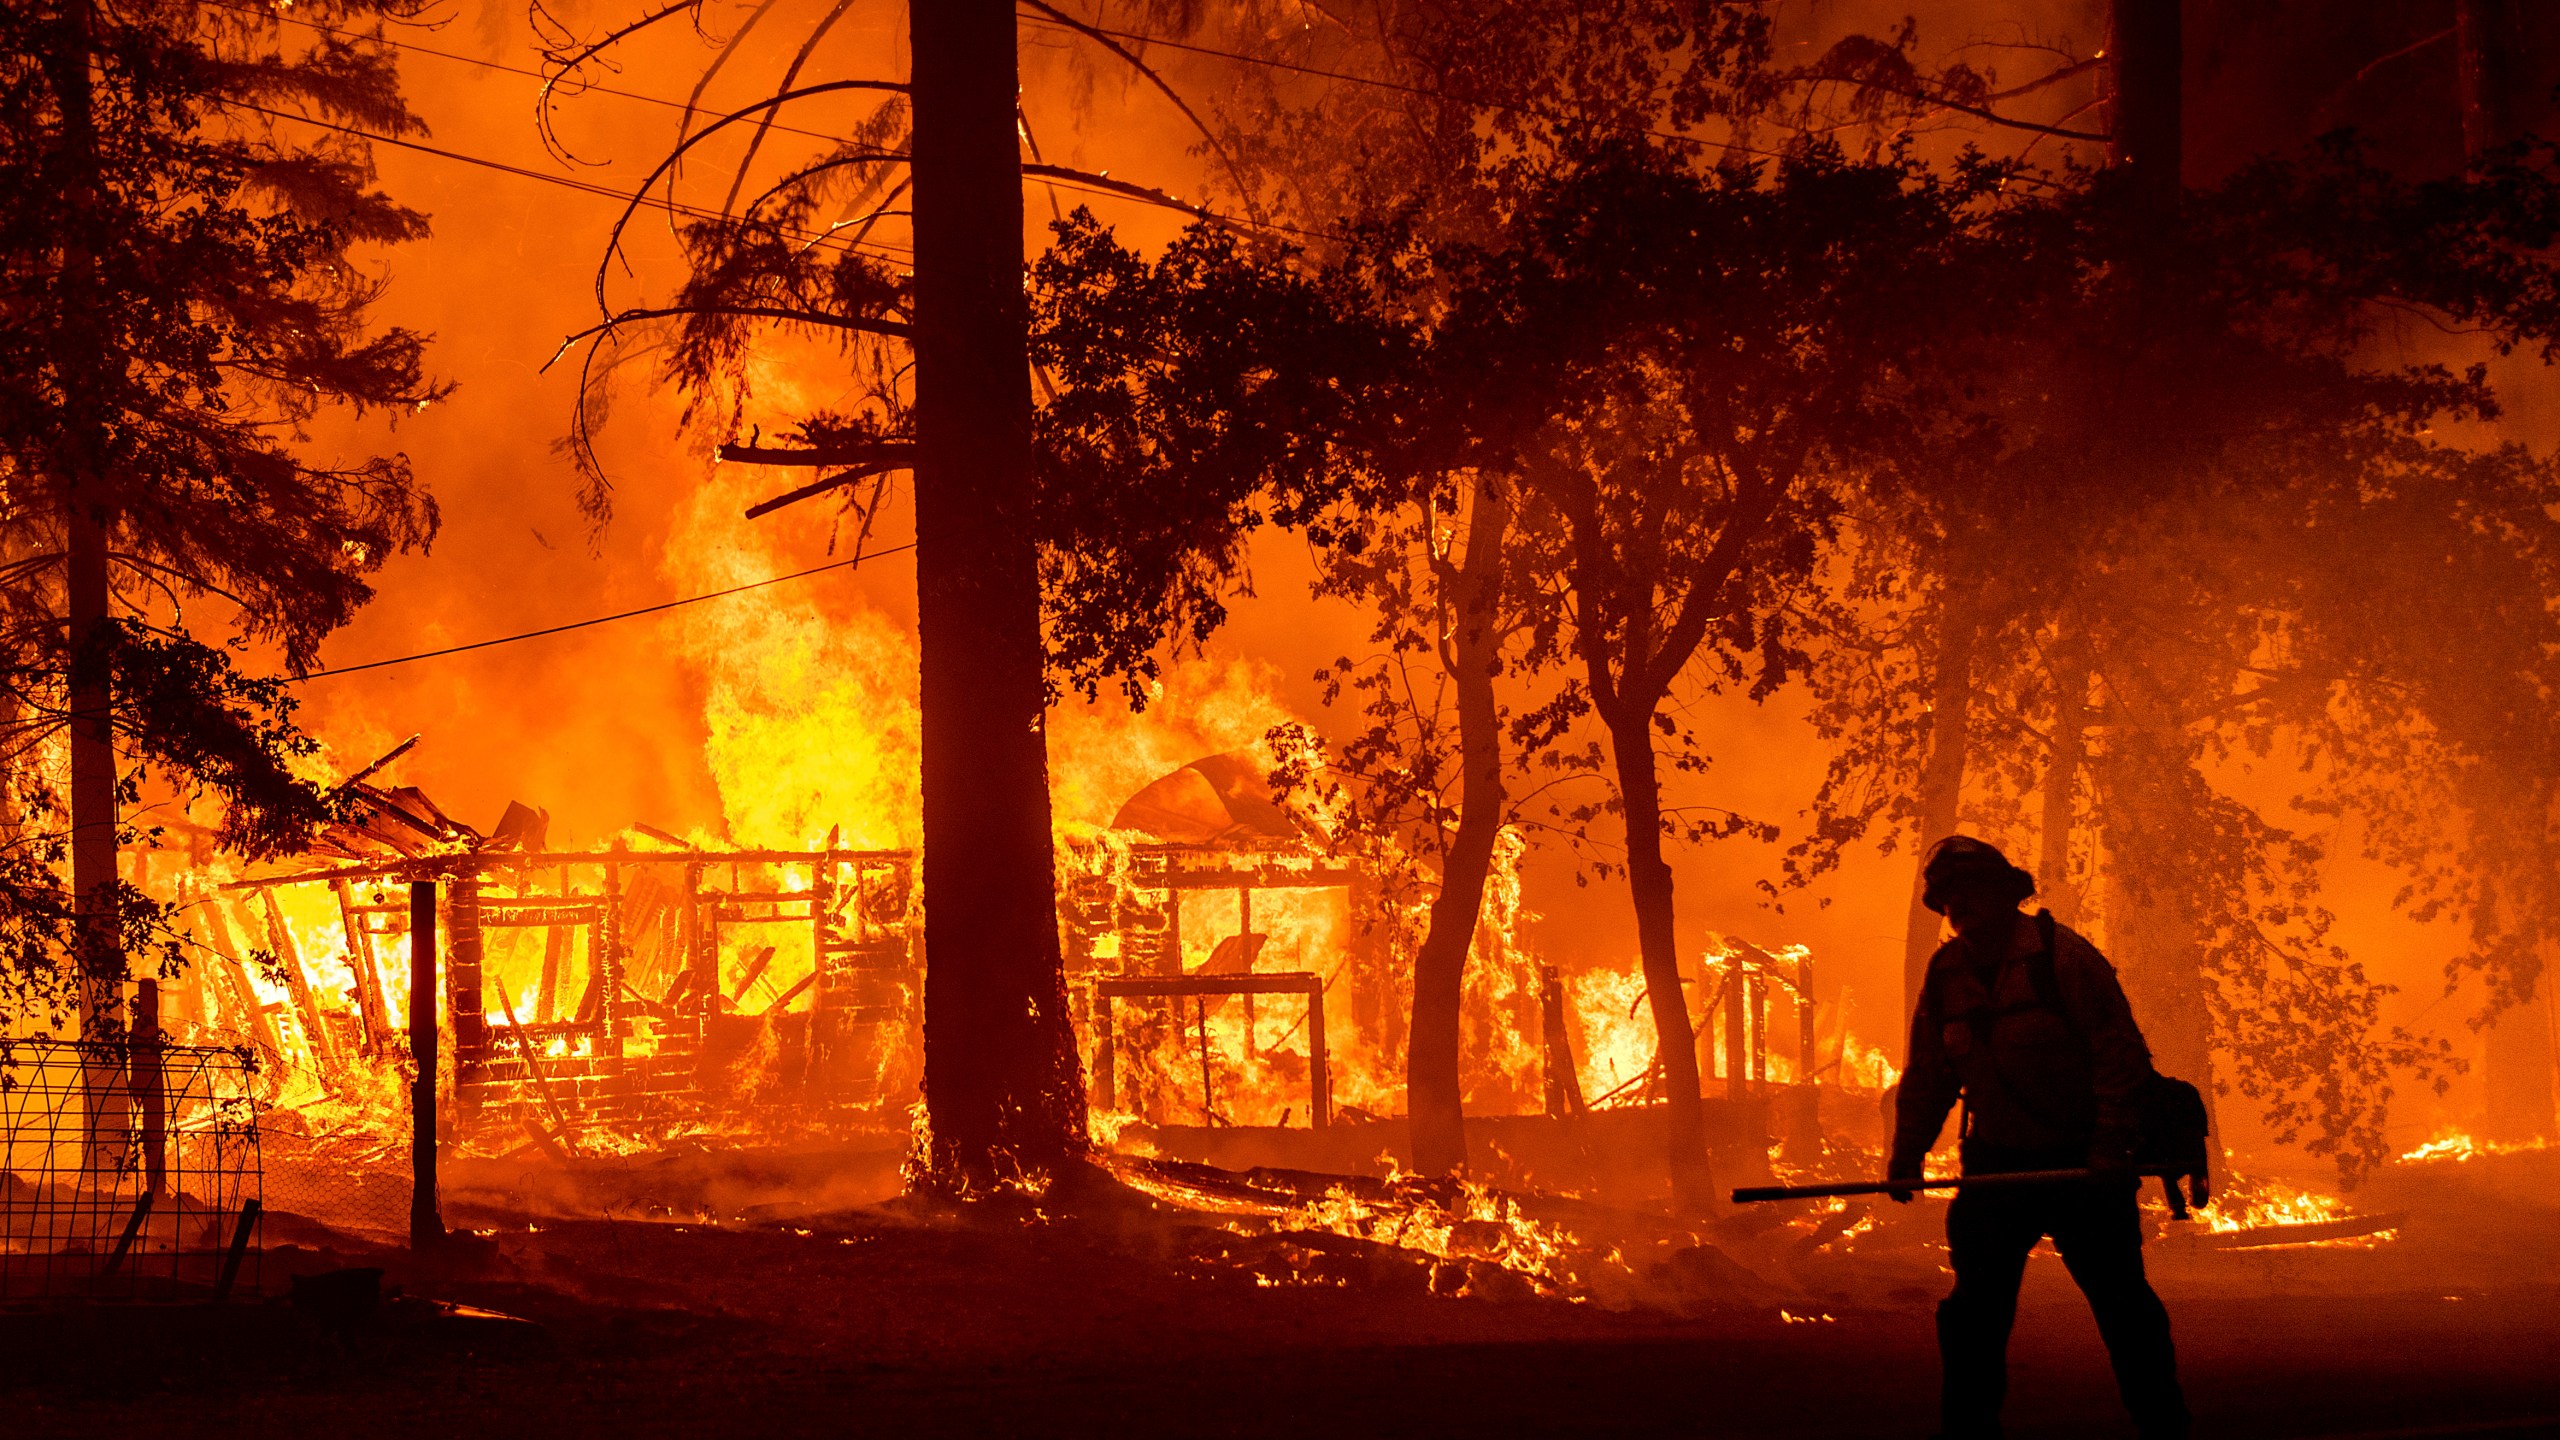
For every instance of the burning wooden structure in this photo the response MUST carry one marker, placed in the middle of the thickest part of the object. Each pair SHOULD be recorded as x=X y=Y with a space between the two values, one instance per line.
x=629 y=988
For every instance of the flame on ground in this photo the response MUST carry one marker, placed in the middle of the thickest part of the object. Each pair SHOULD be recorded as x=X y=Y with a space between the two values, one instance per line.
x=2457 y=1146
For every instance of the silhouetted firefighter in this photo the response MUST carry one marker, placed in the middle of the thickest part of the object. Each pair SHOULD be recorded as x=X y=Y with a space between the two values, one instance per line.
x=2023 y=1020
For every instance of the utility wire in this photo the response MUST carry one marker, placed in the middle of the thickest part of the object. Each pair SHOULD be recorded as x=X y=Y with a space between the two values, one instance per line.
x=569 y=182
x=606 y=619
x=497 y=65
x=1371 y=81
x=661 y=100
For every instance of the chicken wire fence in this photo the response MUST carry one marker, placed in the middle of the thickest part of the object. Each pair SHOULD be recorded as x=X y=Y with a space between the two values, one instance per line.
x=127 y=1171
x=333 y=1142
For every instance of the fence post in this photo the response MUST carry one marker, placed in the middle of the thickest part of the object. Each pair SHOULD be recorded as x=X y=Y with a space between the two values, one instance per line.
x=150 y=1095
x=425 y=1226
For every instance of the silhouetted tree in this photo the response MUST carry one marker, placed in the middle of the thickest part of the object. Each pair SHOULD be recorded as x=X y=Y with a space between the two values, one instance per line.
x=180 y=207
x=941 y=353
x=2215 y=500
x=1484 y=102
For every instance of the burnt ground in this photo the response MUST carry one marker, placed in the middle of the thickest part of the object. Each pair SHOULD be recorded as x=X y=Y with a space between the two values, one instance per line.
x=896 y=1319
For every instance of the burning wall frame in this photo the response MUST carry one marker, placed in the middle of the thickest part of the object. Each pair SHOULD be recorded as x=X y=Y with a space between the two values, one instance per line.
x=634 y=921
x=1121 y=920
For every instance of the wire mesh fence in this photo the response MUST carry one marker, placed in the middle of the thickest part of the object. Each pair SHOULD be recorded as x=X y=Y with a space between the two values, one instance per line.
x=127 y=1171
x=333 y=1141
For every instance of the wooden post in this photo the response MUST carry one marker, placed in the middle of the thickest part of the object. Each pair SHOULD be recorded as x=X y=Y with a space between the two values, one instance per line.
x=604 y=986
x=1808 y=1126
x=464 y=958
x=1757 y=990
x=1208 y=1086
x=1106 y=1054
x=701 y=961
x=1806 y=1040
x=1244 y=951
x=822 y=900
x=150 y=1094
x=1737 y=1032
x=425 y=1225
x=1564 y=1080
x=1319 y=1064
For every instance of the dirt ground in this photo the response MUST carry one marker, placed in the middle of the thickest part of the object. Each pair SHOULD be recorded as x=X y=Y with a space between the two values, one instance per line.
x=900 y=1319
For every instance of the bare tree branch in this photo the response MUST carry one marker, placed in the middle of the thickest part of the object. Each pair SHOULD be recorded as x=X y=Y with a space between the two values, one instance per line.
x=894 y=329
x=1235 y=172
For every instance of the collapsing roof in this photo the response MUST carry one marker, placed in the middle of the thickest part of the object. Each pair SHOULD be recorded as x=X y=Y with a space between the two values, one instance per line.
x=1215 y=800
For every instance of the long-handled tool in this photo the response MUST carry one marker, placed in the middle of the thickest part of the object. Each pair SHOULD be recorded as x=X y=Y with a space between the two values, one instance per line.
x=1753 y=1193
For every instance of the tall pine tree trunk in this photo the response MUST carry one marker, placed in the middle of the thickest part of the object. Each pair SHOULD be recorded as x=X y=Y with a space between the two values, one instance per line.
x=88 y=695
x=2489 y=46
x=1434 y=1095
x=1002 y=1085
x=1941 y=779
x=2063 y=759
x=1630 y=724
x=2151 y=923
x=2146 y=98
x=2516 y=1046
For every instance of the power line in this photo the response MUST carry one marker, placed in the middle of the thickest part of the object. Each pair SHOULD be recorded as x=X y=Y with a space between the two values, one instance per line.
x=568 y=182
x=501 y=66
x=1372 y=81
x=661 y=100
x=607 y=619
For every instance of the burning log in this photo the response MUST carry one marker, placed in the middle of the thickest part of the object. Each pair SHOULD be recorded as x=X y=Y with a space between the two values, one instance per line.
x=394 y=753
x=784 y=1003
x=2350 y=1227
x=749 y=974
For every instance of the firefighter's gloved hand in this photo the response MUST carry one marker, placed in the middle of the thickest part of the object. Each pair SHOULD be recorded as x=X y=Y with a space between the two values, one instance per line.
x=2111 y=1161
x=1899 y=1195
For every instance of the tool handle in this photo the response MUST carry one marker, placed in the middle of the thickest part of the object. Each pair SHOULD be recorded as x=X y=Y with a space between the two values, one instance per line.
x=1755 y=1193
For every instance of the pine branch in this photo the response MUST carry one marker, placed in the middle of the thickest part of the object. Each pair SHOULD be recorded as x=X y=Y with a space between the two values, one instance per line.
x=892 y=328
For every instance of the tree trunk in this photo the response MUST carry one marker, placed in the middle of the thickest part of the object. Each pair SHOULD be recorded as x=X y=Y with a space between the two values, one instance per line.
x=2146 y=97
x=2490 y=47
x=1941 y=782
x=88 y=695
x=2516 y=1045
x=93 y=775
x=2070 y=747
x=1649 y=885
x=1434 y=1095
x=2515 y=1072
x=1003 y=1093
